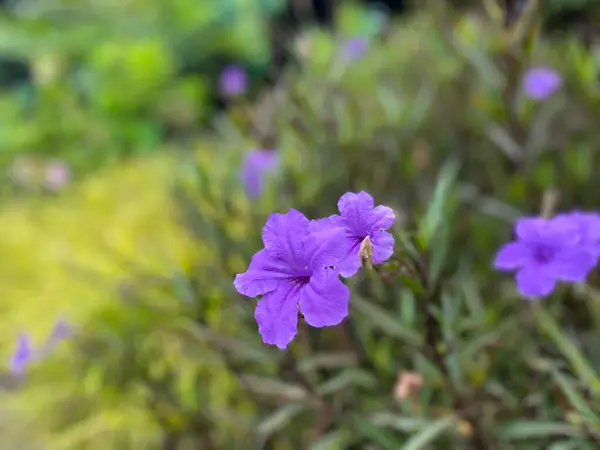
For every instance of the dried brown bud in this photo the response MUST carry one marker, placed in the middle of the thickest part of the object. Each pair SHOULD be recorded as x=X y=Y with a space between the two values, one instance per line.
x=365 y=252
x=407 y=384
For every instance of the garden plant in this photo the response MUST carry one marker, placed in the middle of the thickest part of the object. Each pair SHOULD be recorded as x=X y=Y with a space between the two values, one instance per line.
x=392 y=245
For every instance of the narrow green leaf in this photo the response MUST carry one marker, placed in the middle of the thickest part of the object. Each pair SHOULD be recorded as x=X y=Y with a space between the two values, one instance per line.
x=405 y=245
x=273 y=387
x=278 y=420
x=570 y=391
x=429 y=433
x=400 y=423
x=571 y=444
x=504 y=142
x=392 y=106
x=412 y=284
x=350 y=377
x=382 y=320
x=439 y=257
x=408 y=308
x=241 y=348
x=482 y=64
x=480 y=341
x=421 y=105
x=529 y=429
x=436 y=211
x=428 y=369
x=327 y=360
x=383 y=438
x=336 y=440
x=578 y=362
x=182 y=288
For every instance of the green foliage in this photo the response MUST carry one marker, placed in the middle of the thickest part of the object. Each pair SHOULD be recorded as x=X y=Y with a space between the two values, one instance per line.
x=111 y=79
x=433 y=123
x=564 y=6
x=108 y=256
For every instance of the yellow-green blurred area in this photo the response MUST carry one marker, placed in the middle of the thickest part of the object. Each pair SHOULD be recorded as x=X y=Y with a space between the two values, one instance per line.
x=123 y=212
x=88 y=254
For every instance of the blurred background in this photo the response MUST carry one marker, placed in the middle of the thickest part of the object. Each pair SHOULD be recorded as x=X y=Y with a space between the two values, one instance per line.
x=143 y=144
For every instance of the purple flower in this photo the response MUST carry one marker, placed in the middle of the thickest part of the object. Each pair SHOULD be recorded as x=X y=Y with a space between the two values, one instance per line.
x=359 y=219
x=588 y=225
x=57 y=175
x=546 y=251
x=256 y=165
x=22 y=355
x=541 y=82
x=61 y=330
x=356 y=47
x=233 y=81
x=293 y=274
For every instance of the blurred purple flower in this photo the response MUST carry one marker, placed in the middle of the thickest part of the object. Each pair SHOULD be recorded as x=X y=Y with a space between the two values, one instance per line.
x=292 y=274
x=356 y=47
x=22 y=355
x=588 y=224
x=61 y=330
x=257 y=164
x=546 y=251
x=233 y=81
x=57 y=175
x=360 y=218
x=541 y=82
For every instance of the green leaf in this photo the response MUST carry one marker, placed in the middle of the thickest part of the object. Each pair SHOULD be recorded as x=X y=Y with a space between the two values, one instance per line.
x=382 y=320
x=578 y=362
x=240 y=348
x=406 y=246
x=483 y=64
x=336 y=440
x=438 y=258
x=355 y=19
x=327 y=360
x=570 y=391
x=484 y=339
x=437 y=207
x=429 y=433
x=378 y=436
x=273 y=387
x=404 y=424
x=413 y=284
x=278 y=420
x=350 y=377
x=408 y=308
x=422 y=104
x=271 y=7
x=571 y=444
x=529 y=429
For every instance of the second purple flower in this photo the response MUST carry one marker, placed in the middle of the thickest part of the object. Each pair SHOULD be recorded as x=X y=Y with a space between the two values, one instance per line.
x=233 y=81
x=360 y=219
x=541 y=82
x=545 y=252
x=257 y=164
x=355 y=47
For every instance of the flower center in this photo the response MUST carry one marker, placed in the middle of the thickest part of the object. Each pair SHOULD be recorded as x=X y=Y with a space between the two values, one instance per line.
x=543 y=254
x=300 y=281
x=357 y=241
